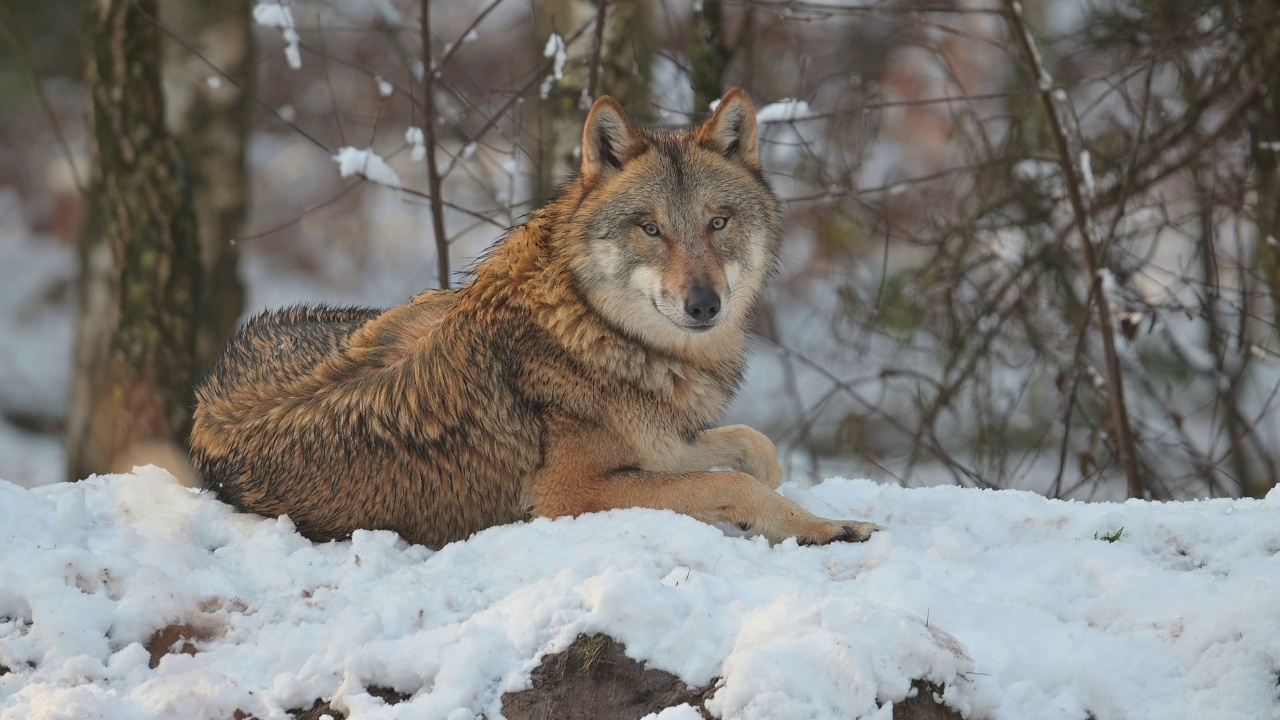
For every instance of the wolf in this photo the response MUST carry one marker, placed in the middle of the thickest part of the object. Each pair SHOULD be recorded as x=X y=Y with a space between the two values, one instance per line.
x=581 y=369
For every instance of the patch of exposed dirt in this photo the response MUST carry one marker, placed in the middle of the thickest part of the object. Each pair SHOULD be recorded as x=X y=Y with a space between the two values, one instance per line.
x=321 y=708
x=318 y=709
x=595 y=680
x=923 y=706
x=177 y=638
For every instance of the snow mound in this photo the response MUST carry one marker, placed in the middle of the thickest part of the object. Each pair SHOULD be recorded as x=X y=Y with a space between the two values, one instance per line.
x=1019 y=606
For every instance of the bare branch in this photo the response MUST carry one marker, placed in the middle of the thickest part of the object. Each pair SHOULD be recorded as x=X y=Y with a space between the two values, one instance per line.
x=429 y=128
x=1086 y=230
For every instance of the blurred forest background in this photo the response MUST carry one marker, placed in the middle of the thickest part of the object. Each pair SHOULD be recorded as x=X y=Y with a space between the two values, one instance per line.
x=1029 y=245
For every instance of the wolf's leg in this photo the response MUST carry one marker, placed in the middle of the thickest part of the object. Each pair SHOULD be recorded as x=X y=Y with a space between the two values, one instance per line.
x=712 y=497
x=740 y=447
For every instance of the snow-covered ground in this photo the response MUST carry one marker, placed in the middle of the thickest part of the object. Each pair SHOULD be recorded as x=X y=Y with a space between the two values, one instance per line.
x=1017 y=604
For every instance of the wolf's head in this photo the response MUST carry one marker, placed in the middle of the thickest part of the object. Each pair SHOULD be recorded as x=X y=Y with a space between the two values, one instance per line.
x=678 y=228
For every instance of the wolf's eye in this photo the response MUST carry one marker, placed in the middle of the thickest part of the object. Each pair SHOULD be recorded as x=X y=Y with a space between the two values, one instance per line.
x=718 y=223
x=651 y=230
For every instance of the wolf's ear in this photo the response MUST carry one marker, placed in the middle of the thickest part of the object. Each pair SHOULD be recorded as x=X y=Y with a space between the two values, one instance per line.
x=731 y=129
x=608 y=140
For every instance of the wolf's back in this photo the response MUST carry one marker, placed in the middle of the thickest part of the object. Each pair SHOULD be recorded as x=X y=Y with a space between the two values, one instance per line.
x=320 y=413
x=281 y=346
x=270 y=352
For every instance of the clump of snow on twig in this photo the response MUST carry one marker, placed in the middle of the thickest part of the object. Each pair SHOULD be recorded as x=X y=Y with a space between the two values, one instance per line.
x=783 y=110
x=1042 y=173
x=280 y=16
x=471 y=36
x=554 y=49
x=417 y=142
x=1086 y=173
x=384 y=88
x=367 y=163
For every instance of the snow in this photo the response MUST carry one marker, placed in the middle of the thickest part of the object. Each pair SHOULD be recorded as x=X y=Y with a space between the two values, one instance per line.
x=554 y=49
x=417 y=142
x=1018 y=605
x=1086 y=173
x=280 y=16
x=471 y=36
x=783 y=110
x=1045 y=80
x=367 y=163
x=385 y=89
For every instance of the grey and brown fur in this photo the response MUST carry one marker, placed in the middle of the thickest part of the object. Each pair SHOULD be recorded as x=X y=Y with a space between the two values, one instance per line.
x=582 y=369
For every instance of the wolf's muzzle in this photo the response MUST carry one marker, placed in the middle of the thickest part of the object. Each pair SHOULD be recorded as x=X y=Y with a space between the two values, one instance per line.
x=702 y=305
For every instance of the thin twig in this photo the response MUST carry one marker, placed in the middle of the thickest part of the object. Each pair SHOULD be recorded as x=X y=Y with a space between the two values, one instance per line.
x=593 y=78
x=11 y=32
x=328 y=81
x=429 y=129
x=1126 y=445
x=462 y=37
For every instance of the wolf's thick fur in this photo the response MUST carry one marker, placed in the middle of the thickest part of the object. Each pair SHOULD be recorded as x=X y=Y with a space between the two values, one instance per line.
x=581 y=370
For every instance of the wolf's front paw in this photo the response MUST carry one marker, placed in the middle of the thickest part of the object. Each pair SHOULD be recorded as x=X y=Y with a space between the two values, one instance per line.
x=840 y=531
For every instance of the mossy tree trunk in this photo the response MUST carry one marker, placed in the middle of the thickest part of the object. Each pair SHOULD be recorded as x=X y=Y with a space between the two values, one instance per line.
x=140 y=256
x=626 y=56
x=616 y=61
x=208 y=113
x=558 y=115
x=709 y=55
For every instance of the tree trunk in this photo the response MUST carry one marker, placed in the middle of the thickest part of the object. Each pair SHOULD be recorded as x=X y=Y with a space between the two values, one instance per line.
x=1261 y=29
x=618 y=61
x=140 y=259
x=708 y=55
x=559 y=116
x=626 y=58
x=208 y=114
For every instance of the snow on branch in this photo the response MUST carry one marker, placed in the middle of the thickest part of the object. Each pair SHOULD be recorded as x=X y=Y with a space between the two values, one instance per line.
x=278 y=15
x=784 y=110
x=417 y=142
x=555 y=49
x=368 y=164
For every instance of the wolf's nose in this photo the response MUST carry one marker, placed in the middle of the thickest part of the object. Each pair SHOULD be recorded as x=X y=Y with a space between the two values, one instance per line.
x=702 y=304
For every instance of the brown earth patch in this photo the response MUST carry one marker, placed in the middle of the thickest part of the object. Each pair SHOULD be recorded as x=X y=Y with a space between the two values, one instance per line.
x=176 y=638
x=923 y=706
x=595 y=680
x=320 y=708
